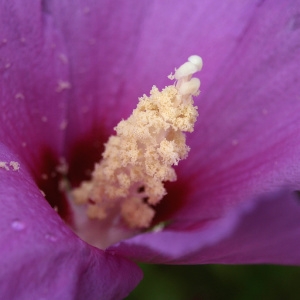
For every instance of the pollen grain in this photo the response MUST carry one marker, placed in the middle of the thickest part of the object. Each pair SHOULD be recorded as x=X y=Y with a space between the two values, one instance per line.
x=129 y=180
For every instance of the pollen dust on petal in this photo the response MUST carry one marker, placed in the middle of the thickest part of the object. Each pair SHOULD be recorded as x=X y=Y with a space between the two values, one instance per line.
x=139 y=158
x=15 y=165
x=63 y=125
x=63 y=58
x=63 y=85
x=12 y=165
x=44 y=119
x=4 y=165
x=19 y=96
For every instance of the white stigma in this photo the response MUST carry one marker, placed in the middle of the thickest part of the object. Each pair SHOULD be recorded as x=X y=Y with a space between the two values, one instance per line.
x=193 y=65
x=197 y=61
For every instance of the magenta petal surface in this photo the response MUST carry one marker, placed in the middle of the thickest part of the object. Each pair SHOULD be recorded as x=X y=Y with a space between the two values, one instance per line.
x=265 y=231
x=117 y=50
x=96 y=58
x=247 y=139
x=32 y=71
x=41 y=258
x=245 y=151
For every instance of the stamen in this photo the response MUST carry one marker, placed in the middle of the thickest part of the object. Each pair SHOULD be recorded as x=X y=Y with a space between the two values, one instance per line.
x=128 y=181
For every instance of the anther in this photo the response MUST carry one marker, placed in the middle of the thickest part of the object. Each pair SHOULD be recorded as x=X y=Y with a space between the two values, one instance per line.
x=129 y=181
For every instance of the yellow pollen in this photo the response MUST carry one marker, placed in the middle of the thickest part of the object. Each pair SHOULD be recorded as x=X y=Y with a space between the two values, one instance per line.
x=3 y=164
x=139 y=158
x=15 y=165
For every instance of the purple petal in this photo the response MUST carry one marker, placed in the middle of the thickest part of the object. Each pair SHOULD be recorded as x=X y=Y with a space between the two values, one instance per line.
x=32 y=72
x=265 y=231
x=247 y=140
x=245 y=149
x=117 y=51
x=41 y=257
x=248 y=127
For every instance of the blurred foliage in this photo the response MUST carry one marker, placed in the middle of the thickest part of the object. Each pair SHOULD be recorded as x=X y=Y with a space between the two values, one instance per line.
x=210 y=282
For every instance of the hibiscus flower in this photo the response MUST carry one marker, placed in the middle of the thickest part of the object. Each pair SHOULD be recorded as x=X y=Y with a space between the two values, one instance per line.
x=71 y=71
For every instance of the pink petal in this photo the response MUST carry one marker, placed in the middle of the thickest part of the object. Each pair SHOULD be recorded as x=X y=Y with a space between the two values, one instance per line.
x=264 y=231
x=245 y=149
x=117 y=51
x=247 y=139
x=32 y=72
x=41 y=257
x=247 y=142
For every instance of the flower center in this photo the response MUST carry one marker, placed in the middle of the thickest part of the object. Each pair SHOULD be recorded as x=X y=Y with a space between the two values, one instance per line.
x=128 y=182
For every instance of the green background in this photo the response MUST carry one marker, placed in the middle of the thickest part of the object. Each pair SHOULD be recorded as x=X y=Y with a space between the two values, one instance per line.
x=218 y=282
